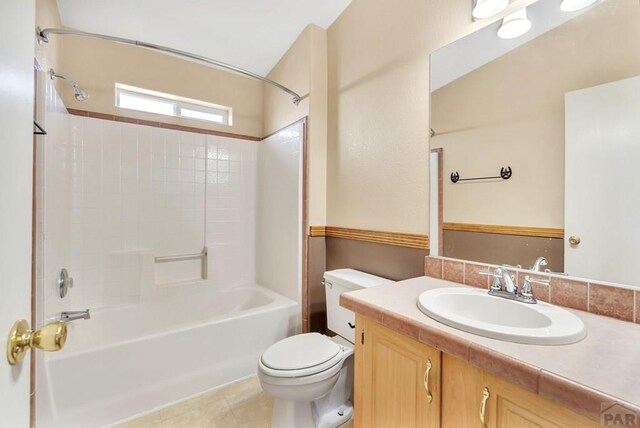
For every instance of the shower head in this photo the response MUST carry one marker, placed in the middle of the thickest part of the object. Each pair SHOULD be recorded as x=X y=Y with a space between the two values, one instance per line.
x=78 y=93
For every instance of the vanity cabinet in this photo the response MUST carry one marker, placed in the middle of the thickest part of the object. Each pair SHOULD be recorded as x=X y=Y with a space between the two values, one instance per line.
x=397 y=379
x=465 y=388
x=393 y=384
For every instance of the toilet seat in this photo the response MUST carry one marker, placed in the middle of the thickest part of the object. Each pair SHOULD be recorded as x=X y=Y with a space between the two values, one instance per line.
x=302 y=355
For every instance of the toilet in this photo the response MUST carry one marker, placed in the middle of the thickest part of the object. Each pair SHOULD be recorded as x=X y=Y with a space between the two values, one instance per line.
x=310 y=376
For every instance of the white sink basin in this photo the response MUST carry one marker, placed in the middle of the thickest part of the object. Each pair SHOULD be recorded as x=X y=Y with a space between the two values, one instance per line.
x=475 y=311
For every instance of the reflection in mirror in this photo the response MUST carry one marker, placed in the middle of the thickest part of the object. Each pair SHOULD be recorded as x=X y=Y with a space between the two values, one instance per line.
x=560 y=106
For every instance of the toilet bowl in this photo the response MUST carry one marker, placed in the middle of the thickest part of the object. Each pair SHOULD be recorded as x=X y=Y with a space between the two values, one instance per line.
x=310 y=376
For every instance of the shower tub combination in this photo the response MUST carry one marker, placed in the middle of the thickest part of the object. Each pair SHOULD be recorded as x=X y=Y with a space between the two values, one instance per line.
x=189 y=339
x=114 y=209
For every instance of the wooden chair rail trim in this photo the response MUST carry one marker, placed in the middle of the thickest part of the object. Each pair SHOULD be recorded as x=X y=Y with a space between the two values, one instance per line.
x=390 y=238
x=543 y=232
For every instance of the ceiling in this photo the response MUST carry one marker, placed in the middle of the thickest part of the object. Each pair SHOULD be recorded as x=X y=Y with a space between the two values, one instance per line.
x=251 y=34
x=483 y=46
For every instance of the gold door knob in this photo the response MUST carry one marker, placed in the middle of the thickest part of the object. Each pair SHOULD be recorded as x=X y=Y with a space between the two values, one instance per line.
x=574 y=241
x=51 y=337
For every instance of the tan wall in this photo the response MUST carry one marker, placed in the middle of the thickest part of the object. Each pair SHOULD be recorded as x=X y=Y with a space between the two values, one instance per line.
x=97 y=65
x=49 y=54
x=511 y=112
x=304 y=69
x=378 y=153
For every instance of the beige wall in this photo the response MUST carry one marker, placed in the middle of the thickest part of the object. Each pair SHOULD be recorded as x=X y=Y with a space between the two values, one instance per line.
x=97 y=65
x=304 y=69
x=378 y=149
x=49 y=54
x=368 y=114
x=511 y=112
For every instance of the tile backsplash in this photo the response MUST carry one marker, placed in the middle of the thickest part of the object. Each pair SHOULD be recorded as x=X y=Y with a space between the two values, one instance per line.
x=602 y=299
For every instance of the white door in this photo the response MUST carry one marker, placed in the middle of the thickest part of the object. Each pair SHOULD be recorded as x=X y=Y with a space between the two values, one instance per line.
x=17 y=24
x=602 y=181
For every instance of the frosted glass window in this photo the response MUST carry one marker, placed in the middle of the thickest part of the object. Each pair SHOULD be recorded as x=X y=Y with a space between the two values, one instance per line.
x=195 y=114
x=139 y=99
x=149 y=105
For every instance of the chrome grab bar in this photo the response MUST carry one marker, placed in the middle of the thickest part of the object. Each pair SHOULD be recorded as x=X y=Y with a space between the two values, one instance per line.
x=176 y=258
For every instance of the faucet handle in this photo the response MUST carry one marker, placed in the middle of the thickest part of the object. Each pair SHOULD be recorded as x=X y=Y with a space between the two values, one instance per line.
x=537 y=281
x=527 y=291
x=512 y=266
x=497 y=274
x=490 y=273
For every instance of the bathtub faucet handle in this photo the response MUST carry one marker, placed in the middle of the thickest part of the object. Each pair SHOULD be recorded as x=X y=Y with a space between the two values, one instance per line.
x=65 y=282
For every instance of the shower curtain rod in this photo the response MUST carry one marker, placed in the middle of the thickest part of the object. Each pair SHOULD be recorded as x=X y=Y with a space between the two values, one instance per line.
x=43 y=37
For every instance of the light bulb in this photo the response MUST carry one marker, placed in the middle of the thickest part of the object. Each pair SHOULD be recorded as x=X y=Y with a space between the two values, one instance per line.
x=488 y=8
x=573 y=5
x=514 y=25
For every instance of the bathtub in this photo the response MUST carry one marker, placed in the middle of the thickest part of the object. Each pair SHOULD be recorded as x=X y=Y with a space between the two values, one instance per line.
x=130 y=360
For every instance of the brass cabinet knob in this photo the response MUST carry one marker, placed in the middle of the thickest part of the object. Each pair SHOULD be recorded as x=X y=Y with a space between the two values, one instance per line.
x=574 y=241
x=51 y=337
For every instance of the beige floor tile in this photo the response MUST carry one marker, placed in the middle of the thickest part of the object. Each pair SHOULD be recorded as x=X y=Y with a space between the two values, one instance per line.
x=244 y=390
x=254 y=411
x=239 y=405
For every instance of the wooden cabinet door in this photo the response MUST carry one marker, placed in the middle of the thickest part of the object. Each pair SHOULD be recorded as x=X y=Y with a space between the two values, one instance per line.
x=394 y=386
x=462 y=394
x=507 y=406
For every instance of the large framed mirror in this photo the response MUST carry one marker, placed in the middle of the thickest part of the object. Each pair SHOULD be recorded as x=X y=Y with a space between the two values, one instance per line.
x=538 y=141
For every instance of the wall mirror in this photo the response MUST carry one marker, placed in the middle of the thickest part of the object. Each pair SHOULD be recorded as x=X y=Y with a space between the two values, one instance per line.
x=535 y=148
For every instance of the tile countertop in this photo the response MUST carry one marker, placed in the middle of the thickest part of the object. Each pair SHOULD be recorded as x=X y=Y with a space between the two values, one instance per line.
x=601 y=369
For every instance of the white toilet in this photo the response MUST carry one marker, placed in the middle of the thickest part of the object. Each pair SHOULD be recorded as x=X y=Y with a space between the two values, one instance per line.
x=310 y=376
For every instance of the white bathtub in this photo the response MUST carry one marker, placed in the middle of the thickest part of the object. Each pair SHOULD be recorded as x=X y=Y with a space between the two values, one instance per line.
x=187 y=340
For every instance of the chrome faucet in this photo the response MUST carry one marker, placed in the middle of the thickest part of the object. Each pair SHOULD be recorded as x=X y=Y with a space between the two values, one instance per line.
x=540 y=261
x=503 y=286
x=75 y=315
x=502 y=280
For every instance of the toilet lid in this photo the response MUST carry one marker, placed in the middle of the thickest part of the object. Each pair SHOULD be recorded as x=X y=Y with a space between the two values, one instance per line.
x=300 y=352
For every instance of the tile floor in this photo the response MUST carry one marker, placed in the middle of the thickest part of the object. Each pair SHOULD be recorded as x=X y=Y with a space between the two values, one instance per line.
x=240 y=405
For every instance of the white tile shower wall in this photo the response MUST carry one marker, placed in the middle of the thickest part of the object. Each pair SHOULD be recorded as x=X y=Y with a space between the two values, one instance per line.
x=116 y=194
x=54 y=182
x=178 y=207
x=279 y=212
x=231 y=209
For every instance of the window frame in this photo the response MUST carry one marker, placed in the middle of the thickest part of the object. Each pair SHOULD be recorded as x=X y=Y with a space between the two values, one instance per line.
x=177 y=102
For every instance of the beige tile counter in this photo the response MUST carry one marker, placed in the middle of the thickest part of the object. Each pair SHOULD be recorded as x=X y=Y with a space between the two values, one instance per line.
x=601 y=369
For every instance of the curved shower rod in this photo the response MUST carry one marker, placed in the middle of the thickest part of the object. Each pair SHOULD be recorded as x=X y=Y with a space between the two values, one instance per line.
x=43 y=36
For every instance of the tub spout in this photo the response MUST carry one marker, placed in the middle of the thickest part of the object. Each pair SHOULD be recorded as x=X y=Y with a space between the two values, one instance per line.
x=75 y=315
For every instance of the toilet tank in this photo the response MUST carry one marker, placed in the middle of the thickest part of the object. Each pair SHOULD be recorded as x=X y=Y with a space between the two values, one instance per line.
x=340 y=320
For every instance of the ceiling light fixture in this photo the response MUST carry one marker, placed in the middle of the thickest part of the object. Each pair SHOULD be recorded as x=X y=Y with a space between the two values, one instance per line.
x=488 y=8
x=573 y=5
x=514 y=25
